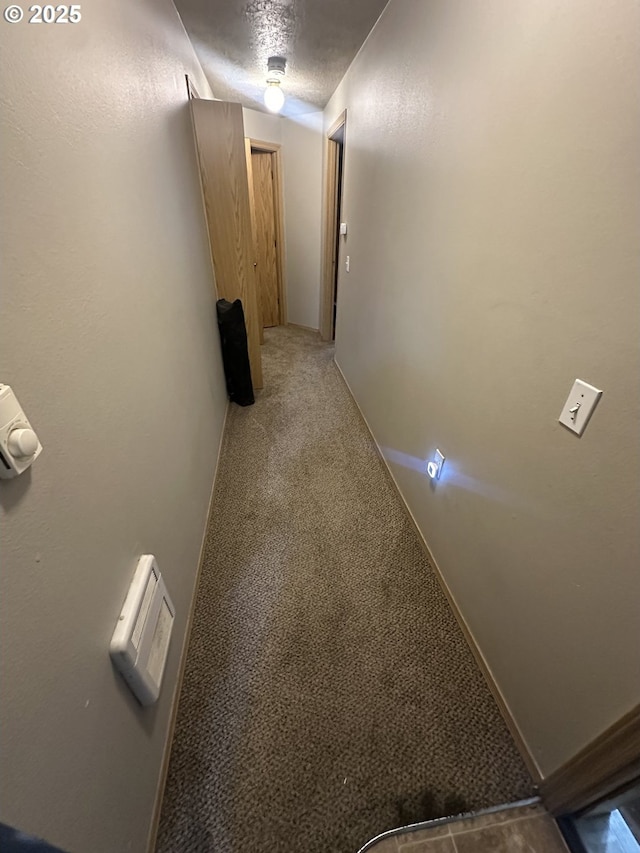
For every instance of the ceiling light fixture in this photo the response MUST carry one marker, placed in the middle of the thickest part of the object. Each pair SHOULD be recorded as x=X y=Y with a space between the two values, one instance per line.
x=273 y=95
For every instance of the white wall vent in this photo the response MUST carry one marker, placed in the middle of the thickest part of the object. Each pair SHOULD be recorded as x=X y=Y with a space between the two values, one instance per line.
x=140 y=642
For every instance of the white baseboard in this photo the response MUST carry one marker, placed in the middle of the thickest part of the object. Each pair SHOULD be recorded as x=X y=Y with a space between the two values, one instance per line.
x=306 y=328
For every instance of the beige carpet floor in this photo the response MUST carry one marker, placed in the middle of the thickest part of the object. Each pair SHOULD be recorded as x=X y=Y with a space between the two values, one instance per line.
x=329 y=694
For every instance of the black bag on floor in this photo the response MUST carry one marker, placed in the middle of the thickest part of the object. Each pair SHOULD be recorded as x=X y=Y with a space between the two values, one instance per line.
x=235 y=352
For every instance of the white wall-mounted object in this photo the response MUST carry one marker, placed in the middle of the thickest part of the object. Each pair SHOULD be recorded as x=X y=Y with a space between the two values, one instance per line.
x=140 y=641
x=434 y=466
x=343 y=229
x=579 y=407
x=19 y=444
x=347 y=263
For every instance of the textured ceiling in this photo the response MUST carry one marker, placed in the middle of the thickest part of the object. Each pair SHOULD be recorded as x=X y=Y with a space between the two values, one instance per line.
x=319 y=38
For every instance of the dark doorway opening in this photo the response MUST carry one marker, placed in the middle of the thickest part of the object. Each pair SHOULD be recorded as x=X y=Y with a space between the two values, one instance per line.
x=333 y=241
x=338 y=138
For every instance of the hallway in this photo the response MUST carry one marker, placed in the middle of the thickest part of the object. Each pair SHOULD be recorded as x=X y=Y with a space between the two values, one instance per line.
x=329 y=694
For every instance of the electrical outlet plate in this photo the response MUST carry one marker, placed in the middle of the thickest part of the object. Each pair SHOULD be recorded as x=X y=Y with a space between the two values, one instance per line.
x=579 y=407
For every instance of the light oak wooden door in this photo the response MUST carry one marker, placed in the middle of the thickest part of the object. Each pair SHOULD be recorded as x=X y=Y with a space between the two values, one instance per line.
x=219 y=134
x=265 y=237
x=252 y=208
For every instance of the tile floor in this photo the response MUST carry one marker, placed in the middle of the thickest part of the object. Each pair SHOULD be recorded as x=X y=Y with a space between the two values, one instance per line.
x=520 y=829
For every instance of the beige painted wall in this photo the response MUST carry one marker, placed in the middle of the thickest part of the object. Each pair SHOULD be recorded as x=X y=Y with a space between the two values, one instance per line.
x=264 y=126
x=492 y=165
x=109 y=337
x=301 y=142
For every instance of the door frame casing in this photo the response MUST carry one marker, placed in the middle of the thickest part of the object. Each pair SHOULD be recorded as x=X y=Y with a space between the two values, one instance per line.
x=329 y=236
x=275 y=149
x=608 y=763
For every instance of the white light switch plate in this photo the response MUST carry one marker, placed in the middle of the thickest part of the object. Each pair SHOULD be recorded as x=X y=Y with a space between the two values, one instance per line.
x=579 y=406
